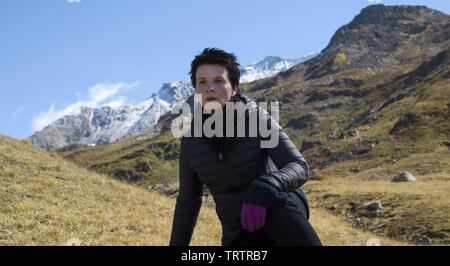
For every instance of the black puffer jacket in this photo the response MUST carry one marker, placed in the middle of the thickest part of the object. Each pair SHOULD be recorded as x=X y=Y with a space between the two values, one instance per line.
x=240 y=172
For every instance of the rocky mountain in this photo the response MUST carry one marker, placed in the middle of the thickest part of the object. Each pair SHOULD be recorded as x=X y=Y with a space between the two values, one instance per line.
x=96 y=126
x=269 y=66
x=368 y=40
x=373 y=103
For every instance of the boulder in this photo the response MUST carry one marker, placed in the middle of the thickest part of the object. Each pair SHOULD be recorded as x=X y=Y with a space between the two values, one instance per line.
x=308 y=120
x=369 y=209
x=306 y=145
x=446 y=143
x=353 y=133
x=373 y=205
x=404 y=176
x=404 y=123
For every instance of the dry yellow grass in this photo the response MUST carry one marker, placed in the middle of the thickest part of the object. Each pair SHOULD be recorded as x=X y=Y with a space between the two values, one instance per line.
x=421 y=207
x=332 y=230
x=45 y=200
x=336 y=232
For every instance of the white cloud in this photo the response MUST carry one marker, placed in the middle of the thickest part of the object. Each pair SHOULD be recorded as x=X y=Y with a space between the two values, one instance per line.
x=374 y=1
x=73 y=1
x=121 y=101
x=18 y=111
x=102 y=91
x=98 y=94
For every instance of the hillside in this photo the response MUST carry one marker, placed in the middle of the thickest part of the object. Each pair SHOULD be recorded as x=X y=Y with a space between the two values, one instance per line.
x=45 y=200
x=144 y=162
x=360 y=122
x=374 y=102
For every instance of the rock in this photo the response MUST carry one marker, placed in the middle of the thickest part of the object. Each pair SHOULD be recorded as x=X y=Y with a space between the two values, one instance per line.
x=404 y=122
x=306 y=145
x=318 y=96
x=334 y=158
x=370 y=209
x=446 y=143
x=165 y=150
x=404 y=176
x=353 y=133
x=172 y=190
x=127 y=175
x=373 y=242
x=335 y=135
x=308 y=120
x=73 y=242
x=143 y=167
x=372 y=214
x=360 y=148
x=373 y=205
x=419 y=239
x=355 y=169
x=359 y=220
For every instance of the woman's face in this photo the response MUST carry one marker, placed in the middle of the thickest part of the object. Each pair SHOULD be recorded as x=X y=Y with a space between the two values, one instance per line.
x=213 y=84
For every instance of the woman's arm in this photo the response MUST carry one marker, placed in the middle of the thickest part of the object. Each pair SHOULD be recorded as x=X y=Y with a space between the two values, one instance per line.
x=292 y=170
x=188 y=204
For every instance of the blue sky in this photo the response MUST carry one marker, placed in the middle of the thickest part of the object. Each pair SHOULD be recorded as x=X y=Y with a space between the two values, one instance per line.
x=58 y=55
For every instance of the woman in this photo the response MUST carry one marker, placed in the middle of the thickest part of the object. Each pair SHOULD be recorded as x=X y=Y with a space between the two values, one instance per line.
x=256 y=190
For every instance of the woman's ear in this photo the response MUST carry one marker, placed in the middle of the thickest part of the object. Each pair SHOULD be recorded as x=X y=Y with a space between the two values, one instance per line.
x=234 y=90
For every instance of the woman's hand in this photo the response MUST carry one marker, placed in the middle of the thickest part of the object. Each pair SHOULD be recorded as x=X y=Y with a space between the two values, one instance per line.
x=253 y=216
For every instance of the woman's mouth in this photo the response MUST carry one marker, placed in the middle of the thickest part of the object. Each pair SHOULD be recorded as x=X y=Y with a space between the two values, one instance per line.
x=210 y=99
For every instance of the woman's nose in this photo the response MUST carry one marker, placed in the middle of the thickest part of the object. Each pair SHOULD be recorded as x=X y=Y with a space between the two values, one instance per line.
x=209 y=87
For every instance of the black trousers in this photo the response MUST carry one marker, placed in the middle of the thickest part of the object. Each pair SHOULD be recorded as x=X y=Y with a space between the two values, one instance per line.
x=285 y=225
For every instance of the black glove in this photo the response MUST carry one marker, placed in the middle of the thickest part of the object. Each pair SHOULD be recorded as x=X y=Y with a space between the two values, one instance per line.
x=265 y=194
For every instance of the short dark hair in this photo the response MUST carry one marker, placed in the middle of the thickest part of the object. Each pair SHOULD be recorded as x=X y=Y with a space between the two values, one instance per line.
x=218 y=57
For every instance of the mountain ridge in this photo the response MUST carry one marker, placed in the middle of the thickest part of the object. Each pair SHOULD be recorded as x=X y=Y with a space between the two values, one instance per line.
x=101 y=125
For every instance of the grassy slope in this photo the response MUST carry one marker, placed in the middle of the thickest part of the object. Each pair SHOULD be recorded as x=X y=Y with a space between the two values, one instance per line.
x=421 y=208
x=45 y=200
x=132 y=156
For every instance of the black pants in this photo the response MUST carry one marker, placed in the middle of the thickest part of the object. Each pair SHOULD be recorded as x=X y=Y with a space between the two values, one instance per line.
x=285 y=225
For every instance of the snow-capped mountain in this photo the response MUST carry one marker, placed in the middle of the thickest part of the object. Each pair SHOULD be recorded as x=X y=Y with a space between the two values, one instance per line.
x=269 y=66
x=163 y=101
x=101 y=125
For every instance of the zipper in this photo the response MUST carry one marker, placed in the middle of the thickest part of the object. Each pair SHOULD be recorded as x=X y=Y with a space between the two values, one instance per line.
x=220 y=156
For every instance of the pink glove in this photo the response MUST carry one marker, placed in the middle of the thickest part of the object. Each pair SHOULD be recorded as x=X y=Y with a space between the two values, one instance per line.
x=253 y=216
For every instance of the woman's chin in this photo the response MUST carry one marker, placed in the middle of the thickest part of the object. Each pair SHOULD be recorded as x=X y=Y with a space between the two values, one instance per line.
x=210 y=106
